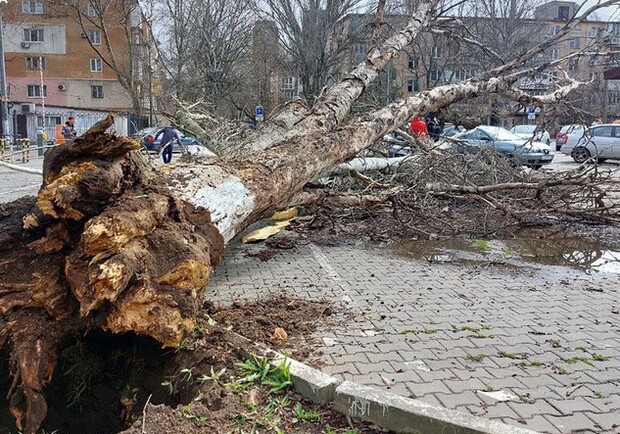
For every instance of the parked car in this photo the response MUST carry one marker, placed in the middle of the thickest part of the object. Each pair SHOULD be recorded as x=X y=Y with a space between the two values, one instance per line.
x=524 y=152
x=450 y=130
x=561 y=138
x=600 y=142
x=147 y=136
x=531 y=132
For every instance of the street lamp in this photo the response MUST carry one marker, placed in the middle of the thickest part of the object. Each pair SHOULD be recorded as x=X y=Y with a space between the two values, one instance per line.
x=4 y=106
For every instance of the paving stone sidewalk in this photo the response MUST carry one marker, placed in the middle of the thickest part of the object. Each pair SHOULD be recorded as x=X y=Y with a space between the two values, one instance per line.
x=455 y=335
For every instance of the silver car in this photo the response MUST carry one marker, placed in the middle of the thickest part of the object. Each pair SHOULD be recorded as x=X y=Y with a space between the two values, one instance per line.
x=599 y=142
x=521 y=151
x=573 y=130
x=531 y=132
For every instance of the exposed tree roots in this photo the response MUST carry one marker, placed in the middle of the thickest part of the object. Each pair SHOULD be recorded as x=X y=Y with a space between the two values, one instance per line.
x=102 y=246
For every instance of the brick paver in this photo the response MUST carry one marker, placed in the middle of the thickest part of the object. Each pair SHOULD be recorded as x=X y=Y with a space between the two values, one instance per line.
x=443 y=333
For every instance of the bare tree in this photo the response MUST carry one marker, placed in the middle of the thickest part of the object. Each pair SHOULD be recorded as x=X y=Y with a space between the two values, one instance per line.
x=109 y=245
x=311 y=36
x=209 y=44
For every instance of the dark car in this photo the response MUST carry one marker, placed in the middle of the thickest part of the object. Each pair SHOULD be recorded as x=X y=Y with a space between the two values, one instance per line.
x=524 y=152
x=147 y=138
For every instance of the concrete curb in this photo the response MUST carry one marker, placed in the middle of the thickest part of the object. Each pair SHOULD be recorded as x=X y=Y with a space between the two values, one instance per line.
x=387 y=410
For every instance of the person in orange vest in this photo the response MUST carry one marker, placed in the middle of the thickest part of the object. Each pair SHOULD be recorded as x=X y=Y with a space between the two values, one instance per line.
x=418 y=127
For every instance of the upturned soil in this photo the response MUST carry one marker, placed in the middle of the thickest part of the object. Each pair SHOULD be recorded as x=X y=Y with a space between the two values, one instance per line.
x=109 y=384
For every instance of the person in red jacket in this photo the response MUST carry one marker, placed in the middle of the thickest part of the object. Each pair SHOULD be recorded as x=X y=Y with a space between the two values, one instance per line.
x=418 y=127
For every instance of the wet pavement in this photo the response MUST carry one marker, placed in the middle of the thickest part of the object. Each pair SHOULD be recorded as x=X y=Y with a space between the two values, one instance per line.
x=487 y=328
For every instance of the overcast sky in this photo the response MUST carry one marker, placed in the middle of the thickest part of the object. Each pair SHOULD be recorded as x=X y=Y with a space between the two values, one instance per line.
x=610 y=13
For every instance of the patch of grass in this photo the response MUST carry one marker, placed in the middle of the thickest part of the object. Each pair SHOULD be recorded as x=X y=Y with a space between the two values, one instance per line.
x=214 y=376
x=599 y=357
x=408 y=331
x=187 y=413
x=554 y=343
x=584 y=349
x=429 y=331
x=479 y=336
x=506 y=354
x=482 y=245
x=259 y=370
x=507 y=251
x=536 y=363
x=307 y=415
x=187 y=375
x=559 y=370
x=454 y=327
x=489 y=388
x=526 y=399
x=597 y=394
x=467 y=328
x=476 y=358
x=241 y=420
x=523 y=364
x=573 y=360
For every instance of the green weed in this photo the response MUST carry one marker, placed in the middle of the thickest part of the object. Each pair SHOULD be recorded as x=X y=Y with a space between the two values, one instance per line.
x=597 y=394
x=506 y=354
x=573 y=360
x=307 y=415
x=214 y=376
x=476 y=358
x=599 y=357
x=259 y=370
x=482 y=245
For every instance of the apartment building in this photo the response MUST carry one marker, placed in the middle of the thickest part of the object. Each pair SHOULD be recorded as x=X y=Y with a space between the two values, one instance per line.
x=434 y=60
x=52 y=64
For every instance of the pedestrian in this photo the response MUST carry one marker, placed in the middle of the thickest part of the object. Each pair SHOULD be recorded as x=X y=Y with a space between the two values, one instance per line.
x=68 y=130
x=597 y=121
x=432 y=125
x=169 y=137
x=418 y=127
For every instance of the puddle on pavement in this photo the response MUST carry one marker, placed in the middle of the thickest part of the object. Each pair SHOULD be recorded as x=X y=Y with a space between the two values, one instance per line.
x=577 y=253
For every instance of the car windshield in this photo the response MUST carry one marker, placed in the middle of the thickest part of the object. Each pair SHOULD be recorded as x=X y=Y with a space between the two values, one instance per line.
x=524 y=129
x=499 y=133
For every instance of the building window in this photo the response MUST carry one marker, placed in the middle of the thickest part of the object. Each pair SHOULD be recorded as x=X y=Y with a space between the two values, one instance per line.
x=462 y=74
x=555 y=54
x=359 y=53
x=436 y=52
x=96 y=91
x=563 y=13
x=94 y=36
x=413 y=86
x=92 y=10
x=593 y=32
x=36 y=63
x=555 y=30
x=32 y=7
x=434 y=75
x=33 y=35
x=573 y=64
x=574 y=43
x=413 y=62
x=96 y=65
x=288 y=83
x=34 y=90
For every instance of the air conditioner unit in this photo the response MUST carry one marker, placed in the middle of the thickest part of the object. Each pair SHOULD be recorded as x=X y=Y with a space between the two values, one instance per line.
x=28 y=108
x=62 y=87
x=615 y=40
x=83 y=35
x=25 y=44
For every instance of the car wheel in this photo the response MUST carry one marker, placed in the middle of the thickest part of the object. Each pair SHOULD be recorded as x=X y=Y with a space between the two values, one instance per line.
x=536 y=166
x=601 y=160
x=580 y=155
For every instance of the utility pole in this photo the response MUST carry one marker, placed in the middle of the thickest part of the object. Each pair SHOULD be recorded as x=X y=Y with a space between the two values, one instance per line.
x=4 y=112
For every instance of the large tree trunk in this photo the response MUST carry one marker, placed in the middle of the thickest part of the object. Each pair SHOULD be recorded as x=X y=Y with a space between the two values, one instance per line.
x=112 y=244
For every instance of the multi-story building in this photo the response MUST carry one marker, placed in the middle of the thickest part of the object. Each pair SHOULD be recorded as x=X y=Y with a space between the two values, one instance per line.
x=434 y=60
x=61 y=61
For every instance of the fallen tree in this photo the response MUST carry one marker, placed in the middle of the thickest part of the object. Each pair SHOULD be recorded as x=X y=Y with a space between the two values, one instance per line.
x=111 y=243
